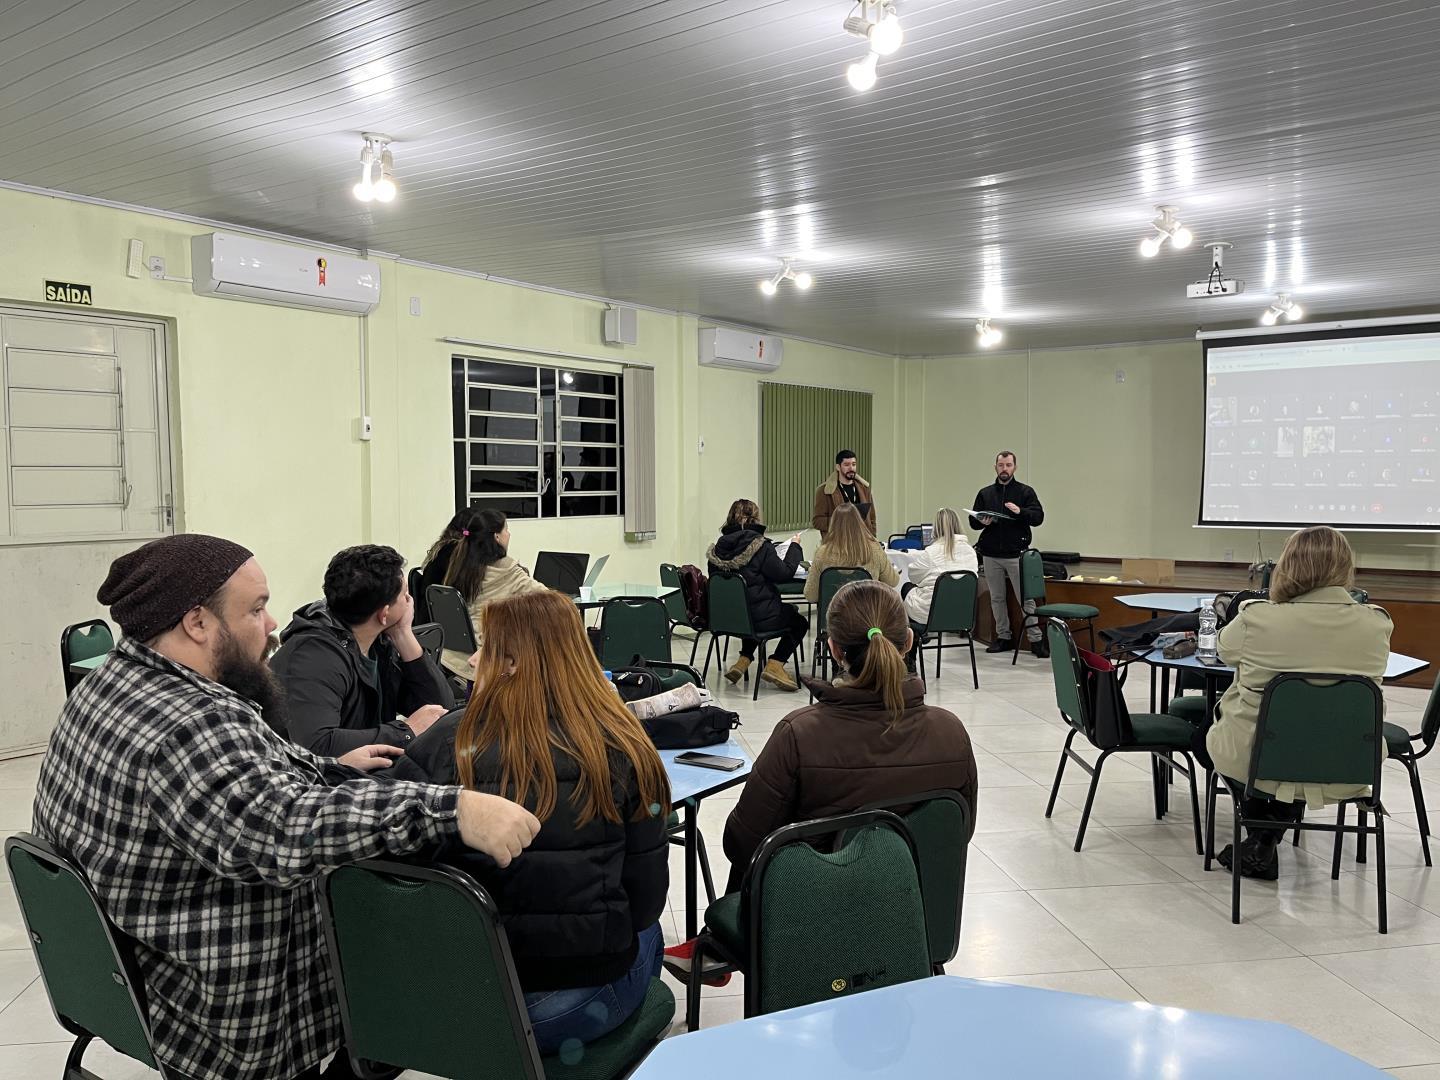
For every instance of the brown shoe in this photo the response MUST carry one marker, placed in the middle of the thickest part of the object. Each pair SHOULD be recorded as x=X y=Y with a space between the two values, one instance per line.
x=736 y=673
x=776 y=675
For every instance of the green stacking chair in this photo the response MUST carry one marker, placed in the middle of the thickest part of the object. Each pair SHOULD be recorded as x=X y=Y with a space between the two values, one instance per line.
x=81 y=641
x=1156 y=734
x=87 y=965
x=454 y=1007
x=730 y=618
x=1032 y=587
x=1409 y=749
x=941 y=824
x=954 y=608
x=633 y=627
x=809 y=925
x=675 y=606
x=832 y=580
x=1318 y=729
x=1191 y=707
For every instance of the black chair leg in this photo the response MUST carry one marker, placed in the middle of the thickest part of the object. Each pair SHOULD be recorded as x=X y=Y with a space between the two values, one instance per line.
x=1055 y=787
x=1380 y=868
x=705 y=673
x=1362 y=837
x=704 y=861
x=1339 y=842
x=1424 y=818
x=1235 y=861
x=73 y=1068
x=1090 y=797
x=1090 y=624
x=939 y=652
x=695 y=647
x=974 y=671
x=1019 y=637
x=692 y=987
x=1211 y=795
x=1194 y=805
x=795 y=658
x=755 y=696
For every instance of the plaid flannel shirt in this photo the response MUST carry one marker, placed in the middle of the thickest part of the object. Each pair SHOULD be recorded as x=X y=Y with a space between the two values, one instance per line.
x=203 y=833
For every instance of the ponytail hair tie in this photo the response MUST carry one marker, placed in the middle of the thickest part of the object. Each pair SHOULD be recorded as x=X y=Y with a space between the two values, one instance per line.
x=870 y=634
x=464 y=532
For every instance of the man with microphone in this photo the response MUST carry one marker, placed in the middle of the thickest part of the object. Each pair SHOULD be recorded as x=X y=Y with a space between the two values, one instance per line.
x=1004 y=533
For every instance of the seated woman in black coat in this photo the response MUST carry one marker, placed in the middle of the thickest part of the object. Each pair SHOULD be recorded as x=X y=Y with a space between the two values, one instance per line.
x=744 y=549
x=581 y=906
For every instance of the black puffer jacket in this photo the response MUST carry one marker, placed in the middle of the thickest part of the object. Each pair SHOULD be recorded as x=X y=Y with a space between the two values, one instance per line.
x=334 y=703
x=574 y=902
x=747 y=551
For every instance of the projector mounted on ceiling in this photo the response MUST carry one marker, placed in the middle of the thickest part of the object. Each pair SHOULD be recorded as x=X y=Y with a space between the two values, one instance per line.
x=1216 y=283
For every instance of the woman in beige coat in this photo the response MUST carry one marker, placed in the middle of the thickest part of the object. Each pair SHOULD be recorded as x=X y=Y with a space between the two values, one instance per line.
x=848 y=544
x=1310 y=623
x=480 y=570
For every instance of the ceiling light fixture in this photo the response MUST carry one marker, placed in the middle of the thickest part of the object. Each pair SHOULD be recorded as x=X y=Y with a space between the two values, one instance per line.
x=1283 y=305
x=376 y=152
x=988 y=335
x=878 y=22
x=803 y=279
x=1166 y=228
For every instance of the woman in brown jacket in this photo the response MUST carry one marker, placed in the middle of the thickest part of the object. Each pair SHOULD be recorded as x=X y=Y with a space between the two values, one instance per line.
x=868 y=737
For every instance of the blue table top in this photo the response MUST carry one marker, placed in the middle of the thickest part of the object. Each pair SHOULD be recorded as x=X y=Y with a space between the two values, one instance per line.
x=693 y=782
x=946 y=1028
x=1164 y=601
x=1397 y=667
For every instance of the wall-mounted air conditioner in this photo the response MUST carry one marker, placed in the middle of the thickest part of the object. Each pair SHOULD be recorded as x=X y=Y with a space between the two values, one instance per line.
x=739 y=349
x=262 y=271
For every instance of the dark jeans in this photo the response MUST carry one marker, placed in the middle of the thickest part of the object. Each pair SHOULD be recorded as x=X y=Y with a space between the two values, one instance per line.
x=797 y=626
x=584 y=1015
x=1262 y=808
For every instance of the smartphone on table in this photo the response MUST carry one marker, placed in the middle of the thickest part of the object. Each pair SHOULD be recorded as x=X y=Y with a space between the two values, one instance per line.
x=710 y=761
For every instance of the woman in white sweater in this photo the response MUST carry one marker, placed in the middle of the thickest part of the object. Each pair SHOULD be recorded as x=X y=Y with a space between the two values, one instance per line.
x=950 y=550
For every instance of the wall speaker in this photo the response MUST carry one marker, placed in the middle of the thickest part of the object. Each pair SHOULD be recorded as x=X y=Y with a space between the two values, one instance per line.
x=621 y=326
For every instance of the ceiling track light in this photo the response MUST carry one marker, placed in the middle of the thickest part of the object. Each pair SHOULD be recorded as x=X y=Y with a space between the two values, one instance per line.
x=878 y=22
x=803 y=279
x=1167 y=227
x=375 y=155
x=1282 y=306
x=988 y=335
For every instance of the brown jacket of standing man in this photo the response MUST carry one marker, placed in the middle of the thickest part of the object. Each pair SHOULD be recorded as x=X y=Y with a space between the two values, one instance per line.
x=843 y=485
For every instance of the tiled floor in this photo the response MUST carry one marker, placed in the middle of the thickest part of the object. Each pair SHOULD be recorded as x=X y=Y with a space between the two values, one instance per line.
x=1133 y=916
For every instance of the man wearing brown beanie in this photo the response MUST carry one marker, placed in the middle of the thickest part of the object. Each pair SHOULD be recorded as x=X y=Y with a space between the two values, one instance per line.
x=204 y=832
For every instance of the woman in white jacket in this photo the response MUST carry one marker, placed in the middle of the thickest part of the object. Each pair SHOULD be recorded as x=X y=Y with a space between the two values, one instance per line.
x=950 y=550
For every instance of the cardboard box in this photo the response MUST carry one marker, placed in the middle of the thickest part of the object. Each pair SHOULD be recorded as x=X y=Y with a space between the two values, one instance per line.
x=1150 y=571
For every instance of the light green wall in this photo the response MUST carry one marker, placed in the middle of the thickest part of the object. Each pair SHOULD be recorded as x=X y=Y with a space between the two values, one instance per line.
x=1116 y=464
x=267 y=400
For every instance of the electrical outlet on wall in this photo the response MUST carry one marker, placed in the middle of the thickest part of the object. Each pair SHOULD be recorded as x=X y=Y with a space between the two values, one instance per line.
x=1229 y=554
x=363 y=429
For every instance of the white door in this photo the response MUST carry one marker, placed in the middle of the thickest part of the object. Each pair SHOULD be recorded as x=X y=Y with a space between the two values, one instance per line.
x=84 y=476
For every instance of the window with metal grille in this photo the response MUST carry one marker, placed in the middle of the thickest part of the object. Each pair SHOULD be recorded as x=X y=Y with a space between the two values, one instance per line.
x=537 y=441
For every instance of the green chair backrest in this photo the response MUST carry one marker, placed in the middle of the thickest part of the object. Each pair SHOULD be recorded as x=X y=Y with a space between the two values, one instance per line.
x=453 y=1007
x=1065 y=669
x=1032 y=576
x=941 y=824
x=729 y=609
x=1319 y=729
x=832 y=580
x=447 y=607
x=675 y=601
x=1430 y=720
x=826 y=924
x=86 y=965
x=81 y=641
x=953 y=604
x=631 y=627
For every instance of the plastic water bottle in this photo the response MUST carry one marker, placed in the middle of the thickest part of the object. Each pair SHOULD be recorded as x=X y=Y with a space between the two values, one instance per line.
x=610 y=678
x=1207 y=640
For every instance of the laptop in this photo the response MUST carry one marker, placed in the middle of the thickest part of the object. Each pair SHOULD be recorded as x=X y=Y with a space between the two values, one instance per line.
x=594 y=574
x=563 y=571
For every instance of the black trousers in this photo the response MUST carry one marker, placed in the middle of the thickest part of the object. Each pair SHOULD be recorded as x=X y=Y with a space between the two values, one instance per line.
x=795 y=628
x=1284 y=814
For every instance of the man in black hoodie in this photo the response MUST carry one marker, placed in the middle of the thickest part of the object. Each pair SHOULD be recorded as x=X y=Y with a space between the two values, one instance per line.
x=351 y=665
x=1005 y=533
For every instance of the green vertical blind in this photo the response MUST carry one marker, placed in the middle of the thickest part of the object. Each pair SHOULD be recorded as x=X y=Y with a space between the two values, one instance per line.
x=801 y=428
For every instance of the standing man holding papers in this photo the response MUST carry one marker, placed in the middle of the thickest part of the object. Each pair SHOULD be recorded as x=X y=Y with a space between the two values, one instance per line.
x=1005 y=512
x=844 y=485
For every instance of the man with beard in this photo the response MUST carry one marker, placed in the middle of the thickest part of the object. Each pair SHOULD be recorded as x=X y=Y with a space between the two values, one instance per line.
x=1013 y=510
x=844 y=485
x=204 y=833
x=350 y=664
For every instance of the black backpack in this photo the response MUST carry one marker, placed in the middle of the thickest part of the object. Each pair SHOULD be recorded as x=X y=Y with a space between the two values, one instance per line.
x=687 y=729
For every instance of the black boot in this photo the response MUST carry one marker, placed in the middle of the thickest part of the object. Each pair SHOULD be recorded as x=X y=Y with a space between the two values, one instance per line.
x=1003 y=644
x=1258 y=859
x=1040 y=649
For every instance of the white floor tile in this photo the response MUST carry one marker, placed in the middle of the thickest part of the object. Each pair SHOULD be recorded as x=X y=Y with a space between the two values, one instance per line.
x=1010 y=934
x=1100 y=983
x=17 y=971
x=1297 y=992
x=28 y=1019
x=1047 y=860
x=1405 y=981
x=1140 y=925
